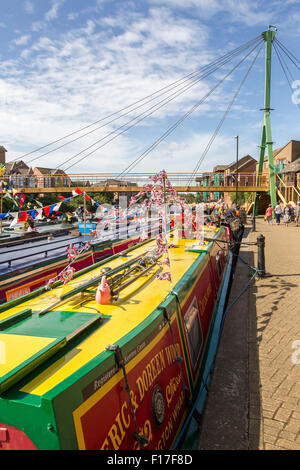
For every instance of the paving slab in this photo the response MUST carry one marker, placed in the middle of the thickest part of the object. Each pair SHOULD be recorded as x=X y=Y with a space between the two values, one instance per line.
x=254 y=397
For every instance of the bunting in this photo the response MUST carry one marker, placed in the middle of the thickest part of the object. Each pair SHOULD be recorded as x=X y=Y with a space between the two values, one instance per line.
x=76 y=192
x=23 y=216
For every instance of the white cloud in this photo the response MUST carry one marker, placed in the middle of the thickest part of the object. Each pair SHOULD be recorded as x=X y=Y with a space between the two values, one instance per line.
x=243 y=11
x=23 y=40
x=82 y=74
x=29 y=7
x=53 y=12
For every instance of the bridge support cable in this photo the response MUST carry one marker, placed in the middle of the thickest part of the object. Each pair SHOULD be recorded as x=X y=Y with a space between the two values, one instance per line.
x=134 y=121
x=191 y=110
x=222 y=121
x=290 y=55
x=153 y=96
x=285 y=69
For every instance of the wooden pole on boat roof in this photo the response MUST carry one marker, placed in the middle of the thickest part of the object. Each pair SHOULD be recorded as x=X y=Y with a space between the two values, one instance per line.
x=84 y=212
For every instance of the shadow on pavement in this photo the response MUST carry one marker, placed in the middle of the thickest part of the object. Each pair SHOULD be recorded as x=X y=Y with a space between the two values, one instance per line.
x=235 y=386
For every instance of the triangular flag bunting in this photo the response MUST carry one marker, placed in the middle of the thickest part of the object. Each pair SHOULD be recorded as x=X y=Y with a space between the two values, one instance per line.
x=57 y=207
x=22 y=217
x=15 y=221
x=76 y=192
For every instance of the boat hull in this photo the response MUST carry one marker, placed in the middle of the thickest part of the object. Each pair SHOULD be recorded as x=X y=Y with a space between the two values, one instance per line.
x=138 y=393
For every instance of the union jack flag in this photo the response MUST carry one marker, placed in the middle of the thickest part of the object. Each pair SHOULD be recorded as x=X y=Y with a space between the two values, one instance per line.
x=164 y=277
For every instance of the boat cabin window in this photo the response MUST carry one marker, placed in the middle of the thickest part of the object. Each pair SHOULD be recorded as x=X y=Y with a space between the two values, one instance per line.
x=193 y=331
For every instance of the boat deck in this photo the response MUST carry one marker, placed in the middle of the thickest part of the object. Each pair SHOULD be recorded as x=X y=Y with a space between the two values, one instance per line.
x=37 y=336
x=34 y=251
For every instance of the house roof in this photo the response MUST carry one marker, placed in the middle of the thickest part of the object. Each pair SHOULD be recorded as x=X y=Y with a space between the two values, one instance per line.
x=2 y=149
x=49 y=171
x=277 y=151
x=219 y=168
x=292 y=167
x=242 y=162
x=12 y=167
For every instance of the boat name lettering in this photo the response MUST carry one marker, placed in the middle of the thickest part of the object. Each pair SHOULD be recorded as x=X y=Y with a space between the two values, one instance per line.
x=172 y=388
x=171 y=353
x=178 y=406
x=167 y=432
x=117 y=431
x=100 y=382
x=150 y=373
x=134 y=352
x=146 y=430
x=204 y=300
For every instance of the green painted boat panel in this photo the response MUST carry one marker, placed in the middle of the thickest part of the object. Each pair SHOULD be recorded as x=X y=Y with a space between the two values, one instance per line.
x=56 y=324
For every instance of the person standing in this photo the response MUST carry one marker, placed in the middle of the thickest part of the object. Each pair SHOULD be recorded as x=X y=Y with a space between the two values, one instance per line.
x=286 y=215
x=297 y=214
x=269 y=214
x=278 y=212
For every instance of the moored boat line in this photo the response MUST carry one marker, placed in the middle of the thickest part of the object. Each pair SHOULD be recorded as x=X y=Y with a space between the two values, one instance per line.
x=76 y=356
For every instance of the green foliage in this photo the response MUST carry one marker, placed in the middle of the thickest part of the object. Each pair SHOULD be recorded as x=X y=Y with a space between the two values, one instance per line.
x=193 y=198
x=242 y=197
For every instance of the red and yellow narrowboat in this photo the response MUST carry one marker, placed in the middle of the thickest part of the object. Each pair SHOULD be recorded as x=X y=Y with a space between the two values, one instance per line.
x=125 y=375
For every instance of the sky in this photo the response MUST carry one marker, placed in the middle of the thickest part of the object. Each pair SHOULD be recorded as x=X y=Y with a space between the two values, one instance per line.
x=66 y=64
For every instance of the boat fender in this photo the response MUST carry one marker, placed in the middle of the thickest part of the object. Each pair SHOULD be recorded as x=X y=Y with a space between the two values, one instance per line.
x=103 y=294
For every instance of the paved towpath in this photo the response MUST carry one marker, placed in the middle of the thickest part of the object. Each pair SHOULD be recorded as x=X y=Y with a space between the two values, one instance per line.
x=254 y=398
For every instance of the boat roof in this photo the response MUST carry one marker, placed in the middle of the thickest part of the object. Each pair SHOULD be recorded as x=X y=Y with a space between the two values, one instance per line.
x=33 y=335
x=34 y=251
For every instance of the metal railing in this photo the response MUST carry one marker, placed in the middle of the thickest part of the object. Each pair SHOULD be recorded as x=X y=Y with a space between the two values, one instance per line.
x=134 y=179
x=287 y=191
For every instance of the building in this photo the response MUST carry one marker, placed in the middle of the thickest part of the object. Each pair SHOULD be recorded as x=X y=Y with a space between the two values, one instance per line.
x=19 y=174
x=282 y=157
x=50 y=178
x=115 y=183
x=2 y=154
x=225 y=175
x=291 y=173
x=245 y=171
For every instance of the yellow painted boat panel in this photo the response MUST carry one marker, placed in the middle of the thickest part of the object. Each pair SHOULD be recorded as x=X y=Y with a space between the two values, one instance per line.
x=136 y=302
x=18 y=349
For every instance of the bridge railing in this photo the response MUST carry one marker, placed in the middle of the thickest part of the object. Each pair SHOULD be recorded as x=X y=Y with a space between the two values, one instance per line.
x=133 y=179
x=287 y=189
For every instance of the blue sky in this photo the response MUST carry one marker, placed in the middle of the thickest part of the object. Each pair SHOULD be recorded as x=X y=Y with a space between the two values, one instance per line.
x=68 y=63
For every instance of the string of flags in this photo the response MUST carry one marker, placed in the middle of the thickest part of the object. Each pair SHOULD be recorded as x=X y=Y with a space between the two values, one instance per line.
x=35 y=214
x=157 y=193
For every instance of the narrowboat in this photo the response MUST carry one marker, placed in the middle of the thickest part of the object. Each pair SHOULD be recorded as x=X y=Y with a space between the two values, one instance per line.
x=26 y=265
x=118 y=358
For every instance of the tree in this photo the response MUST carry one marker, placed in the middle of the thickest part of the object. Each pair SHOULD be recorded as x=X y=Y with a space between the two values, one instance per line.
x=243 y=197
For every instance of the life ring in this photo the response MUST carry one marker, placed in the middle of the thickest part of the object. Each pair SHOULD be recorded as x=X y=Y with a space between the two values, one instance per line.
x=72 y=252
x=67 y=275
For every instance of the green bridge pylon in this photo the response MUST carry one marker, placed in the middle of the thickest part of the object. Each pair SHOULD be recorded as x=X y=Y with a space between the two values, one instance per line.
x=266 y=138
